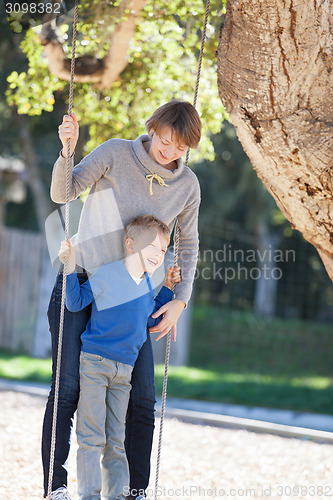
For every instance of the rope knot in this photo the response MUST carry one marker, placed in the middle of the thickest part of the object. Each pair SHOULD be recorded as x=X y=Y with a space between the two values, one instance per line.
x=150 y=177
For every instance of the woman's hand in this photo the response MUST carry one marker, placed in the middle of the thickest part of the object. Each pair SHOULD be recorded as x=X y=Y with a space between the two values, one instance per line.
x=171 y=312
x=67 y=251
x=69 y=129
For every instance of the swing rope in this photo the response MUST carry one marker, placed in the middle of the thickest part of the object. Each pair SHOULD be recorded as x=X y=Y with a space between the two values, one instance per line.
x=196 y=90
x=63 y=294
x=176 y=252
x=64 y=282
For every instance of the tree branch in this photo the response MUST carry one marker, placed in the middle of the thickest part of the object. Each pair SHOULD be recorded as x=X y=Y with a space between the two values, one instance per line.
x=102 y=72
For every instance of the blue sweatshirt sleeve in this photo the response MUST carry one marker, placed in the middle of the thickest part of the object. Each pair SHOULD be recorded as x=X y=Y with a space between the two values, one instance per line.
x=164 y=296
x=77 y=296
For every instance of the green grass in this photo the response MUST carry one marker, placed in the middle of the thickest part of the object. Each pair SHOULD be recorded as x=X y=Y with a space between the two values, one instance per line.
x=237 y=358
x=21 y=367
x=311 y=394
x=241 y=342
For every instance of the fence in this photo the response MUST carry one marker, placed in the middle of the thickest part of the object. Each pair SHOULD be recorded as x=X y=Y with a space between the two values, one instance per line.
x=241 y=272
x=20 y=270
x=230 y=275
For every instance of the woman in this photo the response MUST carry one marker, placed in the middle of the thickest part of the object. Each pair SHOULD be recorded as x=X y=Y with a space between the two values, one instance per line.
x=127 y=179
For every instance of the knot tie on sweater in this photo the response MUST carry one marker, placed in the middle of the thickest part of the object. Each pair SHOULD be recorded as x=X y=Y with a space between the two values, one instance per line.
x=150 y=177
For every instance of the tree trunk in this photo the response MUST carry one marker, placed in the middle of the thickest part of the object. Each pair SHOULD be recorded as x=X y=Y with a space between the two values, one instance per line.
x=275 y=79
x=40 y=194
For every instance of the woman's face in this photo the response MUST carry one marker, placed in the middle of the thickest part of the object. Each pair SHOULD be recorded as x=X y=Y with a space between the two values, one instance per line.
x=165 y=149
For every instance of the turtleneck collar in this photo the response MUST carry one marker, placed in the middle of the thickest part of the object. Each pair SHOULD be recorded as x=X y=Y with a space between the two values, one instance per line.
x=152 y=166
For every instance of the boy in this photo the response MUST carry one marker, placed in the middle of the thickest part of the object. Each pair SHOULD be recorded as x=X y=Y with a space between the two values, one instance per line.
x=122 y=297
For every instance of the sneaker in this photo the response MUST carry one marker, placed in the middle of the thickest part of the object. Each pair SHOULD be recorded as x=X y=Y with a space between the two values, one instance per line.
x=59 y=494
x=140 y=497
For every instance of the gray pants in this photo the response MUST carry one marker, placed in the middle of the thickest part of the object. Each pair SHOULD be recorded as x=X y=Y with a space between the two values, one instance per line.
x=104 y=394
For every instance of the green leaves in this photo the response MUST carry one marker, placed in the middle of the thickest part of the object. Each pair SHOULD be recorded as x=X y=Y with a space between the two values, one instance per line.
x=162 y=64
x=32 y=92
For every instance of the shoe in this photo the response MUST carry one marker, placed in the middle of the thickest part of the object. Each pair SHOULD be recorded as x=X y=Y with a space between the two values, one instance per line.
x=59 y=494
x=140 y=497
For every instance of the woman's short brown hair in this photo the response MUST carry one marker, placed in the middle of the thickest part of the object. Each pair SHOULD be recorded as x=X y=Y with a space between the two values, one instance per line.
x=181 y=117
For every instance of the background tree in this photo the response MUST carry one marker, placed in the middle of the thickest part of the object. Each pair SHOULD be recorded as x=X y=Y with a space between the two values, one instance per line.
x=282 y=119
x=231 y=192
x=238 y=213
x=161 y=64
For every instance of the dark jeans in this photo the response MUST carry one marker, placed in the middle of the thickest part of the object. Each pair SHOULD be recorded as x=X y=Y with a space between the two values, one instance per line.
x=140 y=417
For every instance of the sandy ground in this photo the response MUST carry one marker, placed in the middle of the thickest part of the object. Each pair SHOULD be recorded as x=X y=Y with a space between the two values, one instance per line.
x=197 y=461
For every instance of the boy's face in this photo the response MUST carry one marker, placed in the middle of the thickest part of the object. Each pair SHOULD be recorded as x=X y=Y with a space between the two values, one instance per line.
x=165 y=148
x=151 y=248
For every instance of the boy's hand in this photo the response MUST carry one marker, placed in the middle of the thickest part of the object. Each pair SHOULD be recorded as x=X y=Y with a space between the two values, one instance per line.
x=67 y=251
x=173 y=275
x=69 y=129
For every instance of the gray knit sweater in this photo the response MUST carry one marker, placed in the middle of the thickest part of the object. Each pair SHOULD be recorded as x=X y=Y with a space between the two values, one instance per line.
x=116 y=172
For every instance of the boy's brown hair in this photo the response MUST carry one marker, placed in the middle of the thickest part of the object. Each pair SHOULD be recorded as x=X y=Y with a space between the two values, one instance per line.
x=181 y=117
x=143 y=223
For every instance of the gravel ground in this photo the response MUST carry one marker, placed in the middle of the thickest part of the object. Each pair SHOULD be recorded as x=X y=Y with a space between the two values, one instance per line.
x=197 y=461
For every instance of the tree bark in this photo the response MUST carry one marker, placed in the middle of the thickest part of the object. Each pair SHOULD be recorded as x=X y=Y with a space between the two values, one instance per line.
x=102 y=72
x=275 y=79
